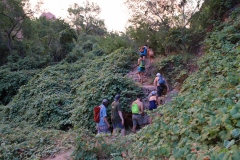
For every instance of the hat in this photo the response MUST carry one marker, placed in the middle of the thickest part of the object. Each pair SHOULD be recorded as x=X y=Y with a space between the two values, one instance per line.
x=117 y=97
x=105 y=101
x=153 y=93
x=158 y=75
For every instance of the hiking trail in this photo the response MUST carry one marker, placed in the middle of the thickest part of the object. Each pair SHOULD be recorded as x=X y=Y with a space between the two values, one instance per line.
x=148 y=86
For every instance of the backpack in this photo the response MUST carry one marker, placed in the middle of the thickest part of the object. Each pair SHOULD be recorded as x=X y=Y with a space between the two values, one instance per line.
x=161 y=80
x=96 y=113
x=142 y=64
x=135 y=108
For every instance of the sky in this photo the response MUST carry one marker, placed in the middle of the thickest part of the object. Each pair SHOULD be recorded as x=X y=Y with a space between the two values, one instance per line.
x=114 y=12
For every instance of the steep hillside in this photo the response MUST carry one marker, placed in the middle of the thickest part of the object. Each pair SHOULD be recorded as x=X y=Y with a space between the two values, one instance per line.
x=62 y=97
x=203 y=121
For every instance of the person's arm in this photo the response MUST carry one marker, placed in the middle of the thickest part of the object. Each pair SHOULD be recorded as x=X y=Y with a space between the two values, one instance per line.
x=119 y=108
x=155 y=82
x=138 y=62
x=105 y=116
x=141 y=108
x=121 y=116
x=105 y=119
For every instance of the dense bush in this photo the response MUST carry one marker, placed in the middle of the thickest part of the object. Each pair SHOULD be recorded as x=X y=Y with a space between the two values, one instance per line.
x=25 y=141
x=63 y=95
x=10 y=82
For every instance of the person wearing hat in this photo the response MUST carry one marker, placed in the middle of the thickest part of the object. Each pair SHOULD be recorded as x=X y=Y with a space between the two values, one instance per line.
x=117 y=116
x=153 y=104
x=153 y=100
x=103 y=125
x=160 y=86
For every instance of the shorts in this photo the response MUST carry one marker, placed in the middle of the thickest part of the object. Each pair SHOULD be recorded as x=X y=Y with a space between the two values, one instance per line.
x=103 y=129
x=141 y=69
x=159 y=90
x=118 y=125
x=137 y=119
x=143 y=54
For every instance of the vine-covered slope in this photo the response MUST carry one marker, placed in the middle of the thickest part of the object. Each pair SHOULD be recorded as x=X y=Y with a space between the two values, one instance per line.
x=204 y=120
x=64 y=95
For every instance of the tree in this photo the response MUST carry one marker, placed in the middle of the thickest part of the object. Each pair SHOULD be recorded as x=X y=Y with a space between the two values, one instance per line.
x=168 y=17
x=49 y=37
x=85 y=19
x=12 y=15
x=155 y=12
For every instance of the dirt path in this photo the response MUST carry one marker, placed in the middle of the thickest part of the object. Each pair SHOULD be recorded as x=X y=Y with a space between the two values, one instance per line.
x=147 y=86
x=63 y=155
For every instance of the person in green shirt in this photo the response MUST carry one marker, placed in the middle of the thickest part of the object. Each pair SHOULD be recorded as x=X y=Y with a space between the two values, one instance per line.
x=117 y=116
x=137 y=113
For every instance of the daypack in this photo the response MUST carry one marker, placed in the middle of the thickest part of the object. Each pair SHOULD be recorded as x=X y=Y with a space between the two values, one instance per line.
x=135 y=108
x=161 y=80
x=96 y=113
x=142 y=64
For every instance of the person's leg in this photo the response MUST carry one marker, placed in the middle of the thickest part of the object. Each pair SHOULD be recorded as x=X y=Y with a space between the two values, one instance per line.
x=122 y=129
x=150 y=120
x=139 y=119
x=158 y=94
x=134 y=123
x=119 y=125
x=141 y=75
x=114 y=128
x=134 y=129
x=123 y=132
x=151 y=59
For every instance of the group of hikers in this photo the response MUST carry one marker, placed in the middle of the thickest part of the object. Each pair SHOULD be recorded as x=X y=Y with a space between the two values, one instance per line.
x=137 y=107
x=145 y=51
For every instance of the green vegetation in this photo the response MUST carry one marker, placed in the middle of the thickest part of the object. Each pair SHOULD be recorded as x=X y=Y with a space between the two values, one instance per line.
x=51 y=80
x=24 y=141
x=203 y=121
x=205 y=115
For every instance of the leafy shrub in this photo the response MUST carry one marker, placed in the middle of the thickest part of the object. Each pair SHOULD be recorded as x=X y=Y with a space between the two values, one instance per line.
x=91 y=146
x=62 y=95
x=24 y=141
x=113 y=41
x=88 y=46
x=10 y=82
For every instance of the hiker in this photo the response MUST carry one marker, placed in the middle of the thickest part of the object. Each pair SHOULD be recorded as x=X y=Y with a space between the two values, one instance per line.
x=137 y=113
x=160 y=84
x=153 y=100
x=152 y=103
x=103 y=126
x=141 y=69
x=143 y=51
x=150 y=54
x=117 y=116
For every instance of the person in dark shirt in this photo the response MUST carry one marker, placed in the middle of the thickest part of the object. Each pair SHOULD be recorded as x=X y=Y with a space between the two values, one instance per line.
x=117 y=116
